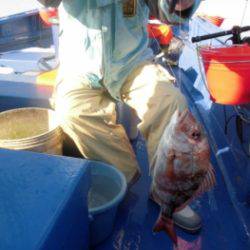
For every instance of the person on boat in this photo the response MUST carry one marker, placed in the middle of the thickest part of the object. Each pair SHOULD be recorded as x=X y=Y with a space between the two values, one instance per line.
x=104 y=58
x=163 y=42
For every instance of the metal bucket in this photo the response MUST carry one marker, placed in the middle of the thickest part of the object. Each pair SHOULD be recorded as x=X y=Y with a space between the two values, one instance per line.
x=32 y=129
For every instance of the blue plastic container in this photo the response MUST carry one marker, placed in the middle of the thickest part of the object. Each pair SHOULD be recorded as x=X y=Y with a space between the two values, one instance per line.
x=108 y=188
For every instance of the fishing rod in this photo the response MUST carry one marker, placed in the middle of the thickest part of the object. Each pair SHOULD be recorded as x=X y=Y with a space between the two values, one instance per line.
x=235 y=32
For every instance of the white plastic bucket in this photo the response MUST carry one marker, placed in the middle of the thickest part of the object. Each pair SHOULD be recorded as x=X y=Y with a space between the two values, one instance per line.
x=32 y=129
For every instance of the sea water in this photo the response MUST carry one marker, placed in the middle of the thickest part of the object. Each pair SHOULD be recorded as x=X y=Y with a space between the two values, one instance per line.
x=103 y=189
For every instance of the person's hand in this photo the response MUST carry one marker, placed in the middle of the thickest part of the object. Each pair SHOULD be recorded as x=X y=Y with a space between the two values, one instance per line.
x=173 y=51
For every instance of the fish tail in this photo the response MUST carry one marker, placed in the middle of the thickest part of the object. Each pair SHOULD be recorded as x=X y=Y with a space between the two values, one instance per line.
x=166 y=225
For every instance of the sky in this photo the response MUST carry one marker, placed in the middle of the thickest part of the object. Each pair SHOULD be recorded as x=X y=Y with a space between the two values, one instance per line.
x=231 y=10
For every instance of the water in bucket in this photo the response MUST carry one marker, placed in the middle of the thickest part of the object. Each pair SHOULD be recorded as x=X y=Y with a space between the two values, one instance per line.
x=107 y=190
x=102 y=190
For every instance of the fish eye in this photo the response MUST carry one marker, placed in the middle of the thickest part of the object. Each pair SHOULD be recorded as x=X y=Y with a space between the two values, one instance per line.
x=196 y=135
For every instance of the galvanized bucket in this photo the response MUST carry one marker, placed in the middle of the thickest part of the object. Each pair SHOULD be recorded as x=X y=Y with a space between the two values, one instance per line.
x=32 y=129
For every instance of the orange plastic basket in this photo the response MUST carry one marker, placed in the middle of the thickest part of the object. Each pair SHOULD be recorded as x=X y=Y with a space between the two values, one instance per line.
x=228 y=73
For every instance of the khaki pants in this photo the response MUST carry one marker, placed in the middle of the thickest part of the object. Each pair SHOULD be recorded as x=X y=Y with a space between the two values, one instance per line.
x=88 y=115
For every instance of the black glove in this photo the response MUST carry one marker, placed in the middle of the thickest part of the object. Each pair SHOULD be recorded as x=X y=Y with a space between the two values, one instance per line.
x=173 y=51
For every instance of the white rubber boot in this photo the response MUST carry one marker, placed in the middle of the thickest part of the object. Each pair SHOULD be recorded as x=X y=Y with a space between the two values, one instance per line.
x=187 y=219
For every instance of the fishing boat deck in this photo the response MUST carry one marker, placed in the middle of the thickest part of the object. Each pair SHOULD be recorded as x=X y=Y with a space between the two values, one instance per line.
x=225 y=210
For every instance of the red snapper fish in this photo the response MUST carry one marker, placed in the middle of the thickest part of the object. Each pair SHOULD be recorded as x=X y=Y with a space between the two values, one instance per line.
x=182 y=169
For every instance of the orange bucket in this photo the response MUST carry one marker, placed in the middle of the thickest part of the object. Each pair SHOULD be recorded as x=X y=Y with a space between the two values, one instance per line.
x=228 y=73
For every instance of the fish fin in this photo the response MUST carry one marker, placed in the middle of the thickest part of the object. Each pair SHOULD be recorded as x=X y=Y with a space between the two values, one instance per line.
x=170 y=164
x=166 y=225
x=208 y=182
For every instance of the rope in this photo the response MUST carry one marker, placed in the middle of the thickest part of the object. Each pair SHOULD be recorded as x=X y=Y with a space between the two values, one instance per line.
x=201 y=69
x=244 y=12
